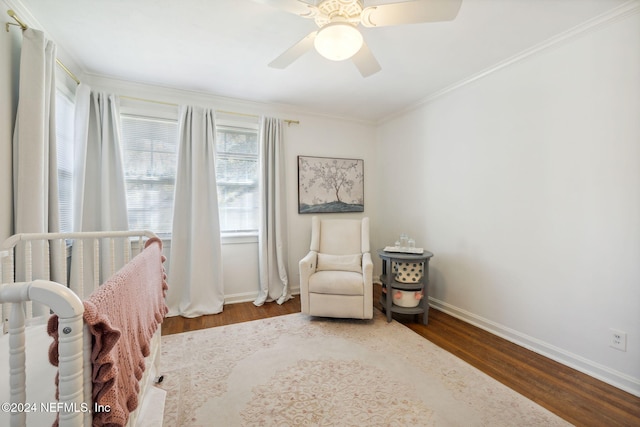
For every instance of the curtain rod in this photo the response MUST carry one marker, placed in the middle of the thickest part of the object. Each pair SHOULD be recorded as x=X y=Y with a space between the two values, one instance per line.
x=287 y=121
x=133 y=98
x=24 y=26
x=20 y=24
x=68 y=71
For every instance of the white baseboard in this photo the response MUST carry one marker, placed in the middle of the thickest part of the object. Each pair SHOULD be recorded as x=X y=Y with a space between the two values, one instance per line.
x=241 y=297
x=593 y=369
x=249 y=296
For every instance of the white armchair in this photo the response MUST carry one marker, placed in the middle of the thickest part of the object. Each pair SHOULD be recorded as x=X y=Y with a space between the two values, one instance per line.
x=336 y=276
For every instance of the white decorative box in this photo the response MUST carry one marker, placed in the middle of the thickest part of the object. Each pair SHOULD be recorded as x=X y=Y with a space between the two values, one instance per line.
x=407 y=299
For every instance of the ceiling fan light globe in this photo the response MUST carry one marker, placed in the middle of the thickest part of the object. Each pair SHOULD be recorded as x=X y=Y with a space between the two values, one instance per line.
x=338 y=41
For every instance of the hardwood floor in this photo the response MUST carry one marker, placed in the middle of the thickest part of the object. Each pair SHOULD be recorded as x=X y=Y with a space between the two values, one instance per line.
x=576 y=397
x=233 y=313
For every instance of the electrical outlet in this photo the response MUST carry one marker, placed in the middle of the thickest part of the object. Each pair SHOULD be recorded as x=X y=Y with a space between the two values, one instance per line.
x=618 y=339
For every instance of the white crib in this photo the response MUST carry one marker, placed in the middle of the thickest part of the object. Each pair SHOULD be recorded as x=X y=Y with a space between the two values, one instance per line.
x=35 y=268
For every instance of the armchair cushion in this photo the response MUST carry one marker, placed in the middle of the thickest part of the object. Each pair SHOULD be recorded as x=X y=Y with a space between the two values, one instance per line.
x=329 y=262
x=336 y=283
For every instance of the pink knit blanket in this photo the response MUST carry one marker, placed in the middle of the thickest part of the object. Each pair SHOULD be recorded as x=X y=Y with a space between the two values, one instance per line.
x=122 y=316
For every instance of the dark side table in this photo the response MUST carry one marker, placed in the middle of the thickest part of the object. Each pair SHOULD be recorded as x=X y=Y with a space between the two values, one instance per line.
x=389 y=282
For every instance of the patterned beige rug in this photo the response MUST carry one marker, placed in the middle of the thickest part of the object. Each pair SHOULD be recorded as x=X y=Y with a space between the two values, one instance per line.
x=296 y=370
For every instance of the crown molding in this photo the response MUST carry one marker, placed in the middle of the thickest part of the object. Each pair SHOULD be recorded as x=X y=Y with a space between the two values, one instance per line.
x=167 y=94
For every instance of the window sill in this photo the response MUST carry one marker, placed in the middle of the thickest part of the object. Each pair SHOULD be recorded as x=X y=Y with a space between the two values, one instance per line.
x=225 y=238
x=238 y=238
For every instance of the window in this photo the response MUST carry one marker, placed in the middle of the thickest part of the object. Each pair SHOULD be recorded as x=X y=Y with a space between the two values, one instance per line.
x=65 y=110
x=237 y=178
x=150 y=160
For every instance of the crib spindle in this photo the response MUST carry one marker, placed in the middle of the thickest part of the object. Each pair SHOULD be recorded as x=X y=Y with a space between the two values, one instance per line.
x=5 y=265
x=112 y=250
x=96 y=264
x=79 y=286
x=71 y=378
x=69 y=308
x=28 y=261
x=126 y=243
x=17 y=358
x=8 y=273
x=87 y=367
x=46 y=261
x=62 y=263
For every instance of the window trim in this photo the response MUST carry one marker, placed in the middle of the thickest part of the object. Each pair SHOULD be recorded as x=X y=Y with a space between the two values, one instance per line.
x=236 y=238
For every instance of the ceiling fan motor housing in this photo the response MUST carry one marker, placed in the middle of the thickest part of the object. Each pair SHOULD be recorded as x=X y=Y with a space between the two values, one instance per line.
x=339 y=11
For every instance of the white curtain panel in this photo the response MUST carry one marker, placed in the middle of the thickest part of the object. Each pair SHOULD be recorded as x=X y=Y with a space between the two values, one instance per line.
x=272 y=235
x=35 y=179
x=195 y=271
x=100 y=202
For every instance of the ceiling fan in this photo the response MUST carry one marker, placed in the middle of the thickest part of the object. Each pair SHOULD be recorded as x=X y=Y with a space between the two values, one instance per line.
x=339 y=39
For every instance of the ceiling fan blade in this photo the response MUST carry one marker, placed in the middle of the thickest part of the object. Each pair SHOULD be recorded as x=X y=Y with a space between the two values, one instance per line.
x=294 y=52
x=293 y=6
x=410 y=12
x=365 y=61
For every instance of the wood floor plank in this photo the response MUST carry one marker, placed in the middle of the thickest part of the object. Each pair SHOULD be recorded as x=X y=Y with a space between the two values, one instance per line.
x=578 y=398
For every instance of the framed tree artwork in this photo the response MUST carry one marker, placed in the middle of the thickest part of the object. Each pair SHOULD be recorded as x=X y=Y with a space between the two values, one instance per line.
x=330 y=185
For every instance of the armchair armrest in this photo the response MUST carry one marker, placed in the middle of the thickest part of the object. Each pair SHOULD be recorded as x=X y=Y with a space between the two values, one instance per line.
x=307 y=266
x=367 y=277
x=308 y=263
x=367 y=268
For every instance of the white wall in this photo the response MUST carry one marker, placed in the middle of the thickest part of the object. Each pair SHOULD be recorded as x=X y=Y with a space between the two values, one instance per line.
x=526 y=186
x=323 y=137
x=10 y=59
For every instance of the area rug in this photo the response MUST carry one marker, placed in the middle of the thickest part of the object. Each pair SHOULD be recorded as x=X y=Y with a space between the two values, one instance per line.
x=297 y=370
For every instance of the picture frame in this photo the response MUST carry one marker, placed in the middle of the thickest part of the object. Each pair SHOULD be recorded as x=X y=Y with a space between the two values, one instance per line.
x=330 y=185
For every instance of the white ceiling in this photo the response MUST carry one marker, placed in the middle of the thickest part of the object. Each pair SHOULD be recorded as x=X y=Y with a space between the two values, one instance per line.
x=222 y=47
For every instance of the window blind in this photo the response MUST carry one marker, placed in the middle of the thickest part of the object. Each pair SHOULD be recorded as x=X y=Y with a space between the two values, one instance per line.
x=150 y=159
x=64 y=155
